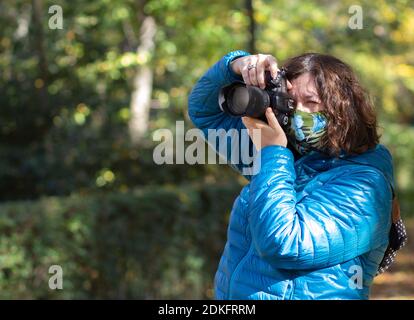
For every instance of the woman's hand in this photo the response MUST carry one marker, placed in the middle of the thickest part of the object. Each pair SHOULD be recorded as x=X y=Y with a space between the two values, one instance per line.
x=252 y=68
x=270 y=134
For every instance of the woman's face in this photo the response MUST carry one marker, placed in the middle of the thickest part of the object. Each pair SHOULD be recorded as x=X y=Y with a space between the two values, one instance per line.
x=303 y=90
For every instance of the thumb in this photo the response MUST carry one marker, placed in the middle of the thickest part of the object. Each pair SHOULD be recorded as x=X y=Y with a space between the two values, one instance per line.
x=271 y=119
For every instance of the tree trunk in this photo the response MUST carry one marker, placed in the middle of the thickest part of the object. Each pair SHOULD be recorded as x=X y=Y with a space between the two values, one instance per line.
x=142 y=83
x=251 y=42
x=39 y=43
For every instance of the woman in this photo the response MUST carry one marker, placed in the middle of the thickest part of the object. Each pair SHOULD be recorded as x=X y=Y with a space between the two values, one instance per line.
x=314 y=222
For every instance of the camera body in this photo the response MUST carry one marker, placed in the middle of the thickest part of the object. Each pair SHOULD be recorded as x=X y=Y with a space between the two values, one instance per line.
x=240 y=100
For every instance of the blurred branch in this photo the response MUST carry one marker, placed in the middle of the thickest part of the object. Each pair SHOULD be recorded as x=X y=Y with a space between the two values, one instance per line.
x=40 y=50
x=130 y=36
x=251 y=45
x=142 y=82
x=23 y=22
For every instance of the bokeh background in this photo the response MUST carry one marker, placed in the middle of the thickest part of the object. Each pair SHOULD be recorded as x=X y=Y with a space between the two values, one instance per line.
x=78 y=107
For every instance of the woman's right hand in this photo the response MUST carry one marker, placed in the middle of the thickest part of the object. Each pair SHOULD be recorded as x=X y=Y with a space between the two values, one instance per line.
x=252 y=68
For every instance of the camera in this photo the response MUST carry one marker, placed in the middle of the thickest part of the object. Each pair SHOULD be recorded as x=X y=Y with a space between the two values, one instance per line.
x=240 y=100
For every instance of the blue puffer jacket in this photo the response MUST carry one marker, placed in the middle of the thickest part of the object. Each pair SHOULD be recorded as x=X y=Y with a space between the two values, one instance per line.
x=316 y=228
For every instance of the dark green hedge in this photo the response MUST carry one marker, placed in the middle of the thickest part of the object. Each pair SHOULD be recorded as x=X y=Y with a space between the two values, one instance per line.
x=156 y=242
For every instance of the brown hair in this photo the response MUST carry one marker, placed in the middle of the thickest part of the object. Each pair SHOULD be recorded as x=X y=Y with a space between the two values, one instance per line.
x=352 y=123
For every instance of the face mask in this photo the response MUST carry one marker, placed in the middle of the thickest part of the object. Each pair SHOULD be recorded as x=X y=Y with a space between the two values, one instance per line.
x=306 y=130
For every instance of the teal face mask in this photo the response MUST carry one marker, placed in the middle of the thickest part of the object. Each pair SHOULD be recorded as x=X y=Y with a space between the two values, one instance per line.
x=306 y=130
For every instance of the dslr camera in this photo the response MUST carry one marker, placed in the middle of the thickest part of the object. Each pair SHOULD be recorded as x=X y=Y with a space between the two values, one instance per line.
x=240 y=100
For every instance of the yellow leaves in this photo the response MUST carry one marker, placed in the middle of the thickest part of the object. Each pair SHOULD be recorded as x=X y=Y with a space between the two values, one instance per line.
x=109 y=176
x=399 y=138
x=143 y=57
x=102 y=67
x=387 y=14
x=39 y=83
x=83 y=108
x=79 y=118
x=388 y=99
x=113 y=65
x=75 y=225
x=405 y=70
x=260 y=17
x=383 y=76
x=124 y=114
x=162 y=97
x=405 y=32
x=238 y=18
x=105 y=177
x=120 y=13
x=86 y=21
x=170 y=20
x=128 y=59
x=72 y=52
x=170 y=47
x=81 y=113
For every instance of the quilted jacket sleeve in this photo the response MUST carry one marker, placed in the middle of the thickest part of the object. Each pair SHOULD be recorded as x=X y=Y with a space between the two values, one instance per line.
x=205 y=112
x=338 y=221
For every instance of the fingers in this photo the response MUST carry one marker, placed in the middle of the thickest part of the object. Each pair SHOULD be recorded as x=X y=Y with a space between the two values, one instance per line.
x=253 y=75
x=260 y=71
x=272 y=65
x=248 y=73
x=252 y=123
x=254 y=68
x=263 y=134
x=247 y=125
x=271 y=118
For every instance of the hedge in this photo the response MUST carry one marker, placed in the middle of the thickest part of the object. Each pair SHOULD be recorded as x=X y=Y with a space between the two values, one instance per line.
x=152 y=243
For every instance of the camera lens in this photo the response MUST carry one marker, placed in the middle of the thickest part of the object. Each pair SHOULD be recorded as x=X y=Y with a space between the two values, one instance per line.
x=239 y=100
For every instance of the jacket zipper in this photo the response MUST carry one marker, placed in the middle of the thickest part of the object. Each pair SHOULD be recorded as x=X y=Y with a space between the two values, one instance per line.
x=237 y=270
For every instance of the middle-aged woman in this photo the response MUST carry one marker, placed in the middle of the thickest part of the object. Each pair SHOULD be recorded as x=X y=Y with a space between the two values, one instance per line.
x=314 y=222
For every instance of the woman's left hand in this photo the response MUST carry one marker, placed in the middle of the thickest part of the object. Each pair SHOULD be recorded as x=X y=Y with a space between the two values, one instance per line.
x=270 y=134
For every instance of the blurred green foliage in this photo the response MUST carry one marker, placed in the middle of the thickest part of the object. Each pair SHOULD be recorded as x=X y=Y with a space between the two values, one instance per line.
x=64 y=128
x=65 y=95
x=150 y=243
